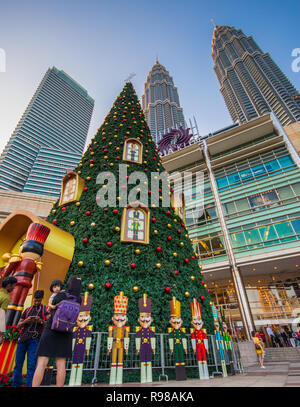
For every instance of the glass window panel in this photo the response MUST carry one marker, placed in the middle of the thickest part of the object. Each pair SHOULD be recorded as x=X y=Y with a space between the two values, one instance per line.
x=217 y=246
x=246 y=174
x=296 y=226
x=229 y=208
x=269 y=197
x=296 y=188
x=233 y=178
x=272 y=165
x=256 y=200
x=237 y=239
x=252 y=236
x=268 y=233
x=285 y=161
x=242 y=204
x=284 y=229
x=258 y=169
x=222 y=182
x=211 y=212
x=285 y=192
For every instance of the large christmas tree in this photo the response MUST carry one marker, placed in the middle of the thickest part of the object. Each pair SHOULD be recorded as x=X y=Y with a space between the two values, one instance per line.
x=163 y=267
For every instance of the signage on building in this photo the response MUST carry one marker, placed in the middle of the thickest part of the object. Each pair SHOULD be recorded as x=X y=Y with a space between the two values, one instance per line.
x=174 y=140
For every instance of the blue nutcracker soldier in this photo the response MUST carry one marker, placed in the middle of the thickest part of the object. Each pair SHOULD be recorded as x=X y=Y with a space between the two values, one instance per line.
x=82 y=338
x=219 y=340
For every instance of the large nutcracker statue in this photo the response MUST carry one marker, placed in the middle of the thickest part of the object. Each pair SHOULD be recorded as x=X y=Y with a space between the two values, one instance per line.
x=219 y=340
x=227 y=340
x=199 y=339
x=82 y=338
x=23 y=267
x=145 y=339
x=118 y=338
x=177 y=339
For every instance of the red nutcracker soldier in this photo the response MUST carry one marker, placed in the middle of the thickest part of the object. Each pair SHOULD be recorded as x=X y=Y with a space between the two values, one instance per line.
x=199 y=339
x=118 y=339
x=82 y=338
x=23 y=267
x=145 y=339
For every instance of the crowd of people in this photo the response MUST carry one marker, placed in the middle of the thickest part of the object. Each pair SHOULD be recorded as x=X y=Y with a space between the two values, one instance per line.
x=37 y=340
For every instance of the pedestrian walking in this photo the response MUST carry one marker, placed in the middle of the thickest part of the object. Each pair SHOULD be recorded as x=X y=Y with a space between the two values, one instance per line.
x=271 y=335
x=259 y=348
x=31 y=323
x=57 y=344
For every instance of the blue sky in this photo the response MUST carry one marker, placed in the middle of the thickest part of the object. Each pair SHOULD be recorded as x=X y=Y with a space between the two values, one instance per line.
x=100 y=42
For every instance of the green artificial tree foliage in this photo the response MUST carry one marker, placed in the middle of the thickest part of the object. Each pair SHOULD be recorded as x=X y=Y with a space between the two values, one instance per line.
x=97 y=235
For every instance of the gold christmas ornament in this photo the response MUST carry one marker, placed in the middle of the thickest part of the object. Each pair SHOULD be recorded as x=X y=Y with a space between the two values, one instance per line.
x=105 y=157
x=181 y=244
x=135 y=289
x=187 y=294
x=169 y=226
x=107 y=262
x=78 y=172
x=53 y=210
x=193 y=278
x=93 y=224
x=54 y=202
x=137 y=251
x=175 y=254
x=80 y=263
x=88 y=178
x=92 y=153
x=205 y=285
x=186 y=235
x=175 y=220
x=77 y=204
x=91 y=286
x=72 y=223
x=158 y=265
x=111 y=164
x=155 y=232
x=117 y=229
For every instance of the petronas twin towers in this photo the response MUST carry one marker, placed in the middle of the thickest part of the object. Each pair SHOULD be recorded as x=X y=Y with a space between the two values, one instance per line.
x=252 y=85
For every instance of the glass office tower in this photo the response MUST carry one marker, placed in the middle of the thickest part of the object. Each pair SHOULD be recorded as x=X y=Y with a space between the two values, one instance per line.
x=160 y=102
x=49 y=138
x=251 y=82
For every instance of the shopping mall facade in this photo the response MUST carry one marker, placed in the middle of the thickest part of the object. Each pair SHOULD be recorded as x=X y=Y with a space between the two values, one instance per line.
x=248 y=234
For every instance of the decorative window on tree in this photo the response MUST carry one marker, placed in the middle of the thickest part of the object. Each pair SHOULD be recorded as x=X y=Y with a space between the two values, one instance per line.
x=135 y=224
x=133 y=151
x=72 y=187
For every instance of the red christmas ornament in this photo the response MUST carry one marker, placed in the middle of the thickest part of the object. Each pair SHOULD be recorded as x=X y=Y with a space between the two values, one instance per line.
x=186 y=260
x=168 y=213
x=167 y=289
x=179 y=231
x=115 y=211
x=149 y=192
x=109 y=244
x=88 y=213
x=85 y=240
x=176 y=272
x=133 y=265
x=105 y=209
x=91 y=161
x=169 y=238
x=158 y=249
x=85 y=189
x=145 y=170
x=107 y=286
x=103 y=138
x=208 y=290
x=118 y=158
x=202 y=298
x=54 y=221
x=202 y=282
x=98 y=198
x=153 y=220
x=64 y=208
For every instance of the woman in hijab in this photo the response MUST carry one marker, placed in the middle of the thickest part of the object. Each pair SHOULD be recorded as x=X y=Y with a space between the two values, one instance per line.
x=54 y=343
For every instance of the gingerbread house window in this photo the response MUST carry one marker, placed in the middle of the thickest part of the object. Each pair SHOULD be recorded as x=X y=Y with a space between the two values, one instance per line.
x=135 y=224
x=133 y=151
x=72 y=187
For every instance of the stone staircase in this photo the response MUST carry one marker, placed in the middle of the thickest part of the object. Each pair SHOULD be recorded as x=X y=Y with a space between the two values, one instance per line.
x=282 y=354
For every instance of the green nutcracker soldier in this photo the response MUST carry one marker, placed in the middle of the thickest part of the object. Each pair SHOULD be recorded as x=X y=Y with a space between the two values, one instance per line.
x=227 y=340
x=177 y=339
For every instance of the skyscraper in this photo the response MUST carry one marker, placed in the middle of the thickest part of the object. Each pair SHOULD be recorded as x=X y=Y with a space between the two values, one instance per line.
x=251 y=82
x=160 y=102
x=49 y=137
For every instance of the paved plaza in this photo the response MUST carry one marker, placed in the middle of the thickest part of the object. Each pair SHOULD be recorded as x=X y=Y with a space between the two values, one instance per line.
x=276 y=374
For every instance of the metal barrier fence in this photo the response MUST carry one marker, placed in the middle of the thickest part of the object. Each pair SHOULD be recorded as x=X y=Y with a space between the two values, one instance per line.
x=98 y=360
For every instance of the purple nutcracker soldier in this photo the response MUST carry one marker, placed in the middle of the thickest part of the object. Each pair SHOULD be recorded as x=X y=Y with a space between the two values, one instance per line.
x=145 y=339
x=82 y=337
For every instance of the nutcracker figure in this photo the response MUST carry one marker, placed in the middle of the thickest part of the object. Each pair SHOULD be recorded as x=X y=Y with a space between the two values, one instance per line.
x=145 y=339
x=227 y=340
x=82 y=338
x=23 y=267
x=118 y=338
x=177 y=339
x=199 y=339
x=219 y=340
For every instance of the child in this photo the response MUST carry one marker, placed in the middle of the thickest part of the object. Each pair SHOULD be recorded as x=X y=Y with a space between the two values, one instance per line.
x=55 y=288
